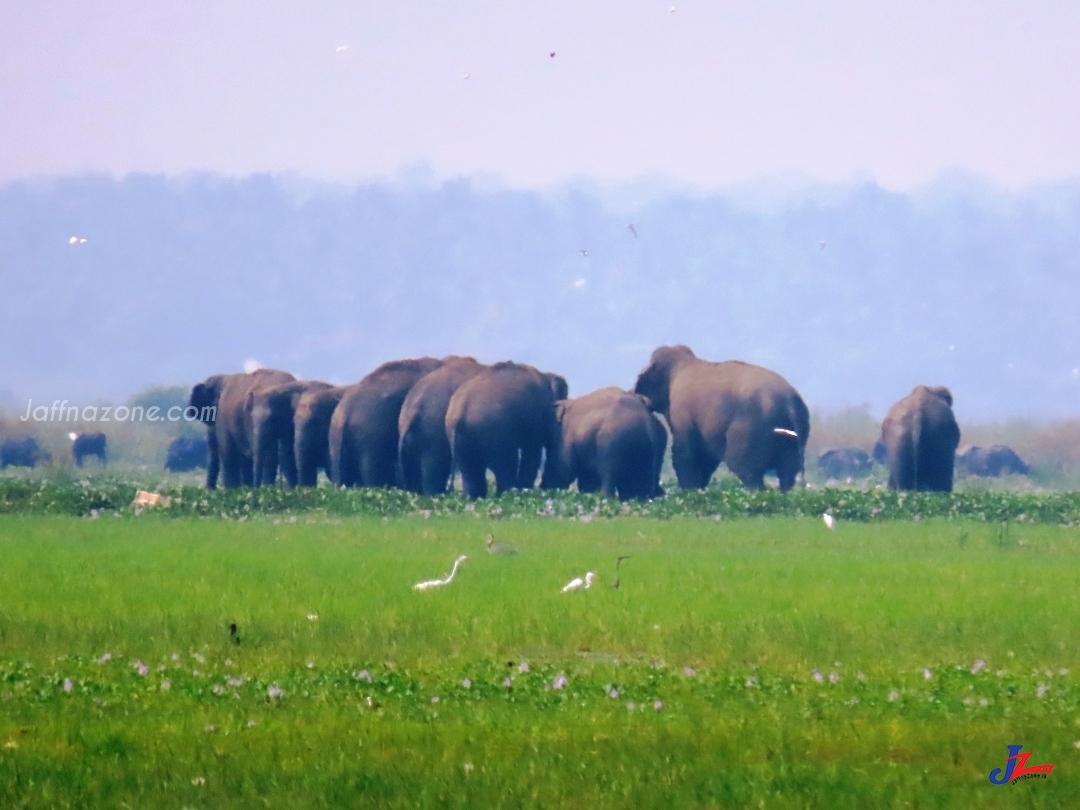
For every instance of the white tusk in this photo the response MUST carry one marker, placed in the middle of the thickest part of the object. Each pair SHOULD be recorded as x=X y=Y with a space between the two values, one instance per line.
x=785 y=432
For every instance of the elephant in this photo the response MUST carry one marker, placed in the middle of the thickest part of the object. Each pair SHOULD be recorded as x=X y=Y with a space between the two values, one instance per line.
x=221 y=404
x=186 y=453
x=89 y=444
x=848 y=462
x=990 y=461
x=271 y=411
x=364 y=427
x=24 y=452
x=311 y=433
x=880 y=454
x=424 y=451
x=503 y=419
x=609 y=441
x=920 y=436
x=745 y=415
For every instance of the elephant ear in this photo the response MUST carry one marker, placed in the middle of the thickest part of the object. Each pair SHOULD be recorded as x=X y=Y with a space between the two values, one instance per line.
x=559 y=387
x=941 y=392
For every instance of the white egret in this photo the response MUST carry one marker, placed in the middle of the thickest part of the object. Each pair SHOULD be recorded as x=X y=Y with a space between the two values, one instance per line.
x=578 y=582
x=437 y=583
x=830 y=521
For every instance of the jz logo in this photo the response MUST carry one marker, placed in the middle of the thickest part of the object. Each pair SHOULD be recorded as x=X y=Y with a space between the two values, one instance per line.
x=1016 y=768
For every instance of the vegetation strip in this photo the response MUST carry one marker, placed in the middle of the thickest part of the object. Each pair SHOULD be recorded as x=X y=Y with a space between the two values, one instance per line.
x=103 y=496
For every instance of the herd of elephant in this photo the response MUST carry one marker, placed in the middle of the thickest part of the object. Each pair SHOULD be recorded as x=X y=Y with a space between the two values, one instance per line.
x=412 y=423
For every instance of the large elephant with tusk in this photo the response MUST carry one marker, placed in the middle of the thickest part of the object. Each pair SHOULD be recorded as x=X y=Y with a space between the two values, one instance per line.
x=733 y=412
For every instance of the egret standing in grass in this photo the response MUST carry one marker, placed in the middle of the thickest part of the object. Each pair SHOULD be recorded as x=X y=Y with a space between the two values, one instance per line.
x=578 y=582
x=438 y=583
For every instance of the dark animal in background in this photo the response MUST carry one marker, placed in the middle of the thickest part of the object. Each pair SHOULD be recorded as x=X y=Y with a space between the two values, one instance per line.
x=745 y=415
x=880 y=454
x=222 y=404
x=920 y=436
x=311 y=433
x=88 y=444
x=608 y=441
x=364 y=428
x=847 y=462
x=271 y=410
x=502 y=420
x=24 y=452
x=990 y=461
x=186 y=453
x=424 y=450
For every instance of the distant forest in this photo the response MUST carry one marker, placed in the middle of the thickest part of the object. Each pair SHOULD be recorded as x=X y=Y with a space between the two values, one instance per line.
x=854 y=293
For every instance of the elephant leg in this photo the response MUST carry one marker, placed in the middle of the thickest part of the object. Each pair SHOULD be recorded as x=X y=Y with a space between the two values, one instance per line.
x=902 y=465
x=434 y=472
x=270 y=467
x=752 y=479
x=692 y=467
x=378 y=468
x=789 y=466
x=588 y=481
x=473 y=477
x=231 y=465
x=346 y=471
x=265 y=464
x=213 y=461
x=607 y=485
x=287 y=461
x=504 y=464
x=529 y=466
x=247 y=471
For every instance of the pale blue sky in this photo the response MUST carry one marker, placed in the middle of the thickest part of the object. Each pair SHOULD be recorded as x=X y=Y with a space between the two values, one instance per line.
x=712 y=94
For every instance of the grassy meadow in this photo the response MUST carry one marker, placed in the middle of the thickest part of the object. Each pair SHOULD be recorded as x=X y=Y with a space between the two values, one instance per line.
x=760 y=662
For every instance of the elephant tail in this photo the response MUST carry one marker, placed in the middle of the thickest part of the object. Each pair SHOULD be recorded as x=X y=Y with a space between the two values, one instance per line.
x=410 y=448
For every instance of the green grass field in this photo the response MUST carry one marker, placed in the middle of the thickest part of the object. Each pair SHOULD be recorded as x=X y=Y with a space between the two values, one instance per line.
x=762 y=662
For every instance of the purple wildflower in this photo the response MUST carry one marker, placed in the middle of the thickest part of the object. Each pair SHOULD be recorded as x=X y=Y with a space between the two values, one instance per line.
x=559 y=682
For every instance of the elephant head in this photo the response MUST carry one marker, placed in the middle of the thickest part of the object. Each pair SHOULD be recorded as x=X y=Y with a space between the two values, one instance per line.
x=204 y=398
x=939 y=391
x=654 y=381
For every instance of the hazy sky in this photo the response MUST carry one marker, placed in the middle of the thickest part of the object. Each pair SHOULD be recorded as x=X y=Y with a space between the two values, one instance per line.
x=711 y=93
